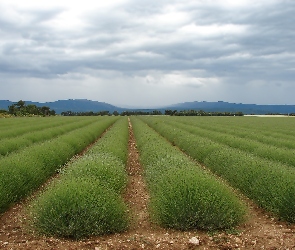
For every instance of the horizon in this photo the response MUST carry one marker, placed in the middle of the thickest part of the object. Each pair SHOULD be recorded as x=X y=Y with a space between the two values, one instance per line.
x=153 y=107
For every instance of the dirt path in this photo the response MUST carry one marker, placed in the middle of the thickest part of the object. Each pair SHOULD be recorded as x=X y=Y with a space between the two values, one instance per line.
x=259 y=232
x=136 y=195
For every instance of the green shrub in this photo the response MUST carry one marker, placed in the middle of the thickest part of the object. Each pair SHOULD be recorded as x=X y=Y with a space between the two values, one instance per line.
x=116 y=142
x=24 y=171
x=183 y=195
x=270 y=151
x=270 y=184
x=20 y=126
x=18 y=176
x=184 y=199
x=39 y=134
x=79 y=209
x=86 y=200
x=103 y=167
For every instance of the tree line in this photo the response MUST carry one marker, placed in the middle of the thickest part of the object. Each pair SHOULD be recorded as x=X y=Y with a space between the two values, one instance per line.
x=153 y=112
x=21 y=109
x=115 y=113
x=200 y=113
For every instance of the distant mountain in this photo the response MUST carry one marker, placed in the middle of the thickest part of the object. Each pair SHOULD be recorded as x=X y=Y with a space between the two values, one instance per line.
x=4 y=104
x=84 y=105
x=81 y=105
x=74 y=105
x=221 y=106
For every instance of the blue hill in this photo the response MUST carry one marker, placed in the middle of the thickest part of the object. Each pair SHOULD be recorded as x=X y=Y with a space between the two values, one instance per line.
x=84 y=105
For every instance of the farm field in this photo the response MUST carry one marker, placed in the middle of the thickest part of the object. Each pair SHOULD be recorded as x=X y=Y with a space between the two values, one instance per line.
x=257 y=169
x=150 y=172
x=23 y=171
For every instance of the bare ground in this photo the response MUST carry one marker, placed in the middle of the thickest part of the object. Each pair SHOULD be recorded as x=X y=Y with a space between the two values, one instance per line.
x=261 y=231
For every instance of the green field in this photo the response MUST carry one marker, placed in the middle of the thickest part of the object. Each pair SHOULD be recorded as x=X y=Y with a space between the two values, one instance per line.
x=194 y=168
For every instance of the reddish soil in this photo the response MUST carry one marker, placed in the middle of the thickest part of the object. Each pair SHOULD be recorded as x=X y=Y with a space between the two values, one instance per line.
x=260 y=231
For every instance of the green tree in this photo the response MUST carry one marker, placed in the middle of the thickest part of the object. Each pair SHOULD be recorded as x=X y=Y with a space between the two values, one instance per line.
x=52 y=112
x=20 y=104
x=32 y=109
x=45 y=110
x=12 y=109
x=3 y=111
x=115 y=113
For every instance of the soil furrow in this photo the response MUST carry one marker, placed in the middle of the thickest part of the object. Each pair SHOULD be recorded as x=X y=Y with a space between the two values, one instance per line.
x=136 y=195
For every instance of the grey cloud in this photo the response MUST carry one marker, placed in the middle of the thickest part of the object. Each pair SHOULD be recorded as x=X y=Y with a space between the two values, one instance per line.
x=129 y=41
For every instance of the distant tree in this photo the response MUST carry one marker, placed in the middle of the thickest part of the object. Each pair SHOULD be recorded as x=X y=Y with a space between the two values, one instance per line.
x=168 y=112
x=3 y=111
x=67 y=113
x=52 y=112
x=115 y=113
x=20 y=104
x=156 y=112
x=32 y=109
x=12 y=109
x=105 y=112
x=202 y=113
x=239 y=114
x=45 y=110
x=21 y=109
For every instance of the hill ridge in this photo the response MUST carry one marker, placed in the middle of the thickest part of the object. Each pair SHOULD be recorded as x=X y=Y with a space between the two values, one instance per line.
x=85 y=105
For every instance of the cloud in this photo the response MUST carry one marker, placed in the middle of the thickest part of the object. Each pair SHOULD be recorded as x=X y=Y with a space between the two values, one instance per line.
x=150 y=53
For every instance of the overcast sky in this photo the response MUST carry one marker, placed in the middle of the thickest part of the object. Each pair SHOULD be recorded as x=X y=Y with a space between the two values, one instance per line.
x=148 y=52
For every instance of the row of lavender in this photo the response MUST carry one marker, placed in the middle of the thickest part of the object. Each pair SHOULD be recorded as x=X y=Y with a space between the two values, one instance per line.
x=182 y=194
x=23 y=171
x=264 y=173
x=86 y=199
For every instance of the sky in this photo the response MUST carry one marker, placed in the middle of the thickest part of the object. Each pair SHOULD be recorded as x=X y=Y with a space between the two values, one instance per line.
x=148 y=53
